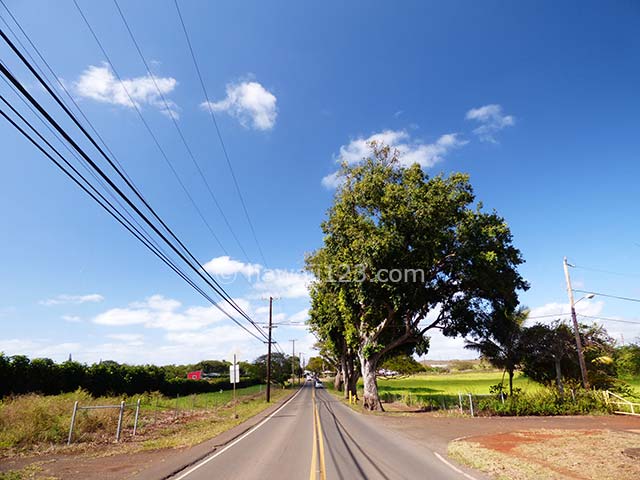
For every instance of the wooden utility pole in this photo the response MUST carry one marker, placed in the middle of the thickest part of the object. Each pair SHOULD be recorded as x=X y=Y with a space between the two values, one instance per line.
x=576 y=328
x=269 y=351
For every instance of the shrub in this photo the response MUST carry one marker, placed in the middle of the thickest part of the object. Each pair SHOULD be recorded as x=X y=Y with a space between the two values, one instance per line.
x=546 y=402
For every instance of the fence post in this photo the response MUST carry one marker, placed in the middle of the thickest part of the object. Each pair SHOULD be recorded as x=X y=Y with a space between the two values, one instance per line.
x=176 y=409
x=120 y=421
x=135 y=421
x=73 y=421
x=502 y=397
x=471 y=404
x=460 y=401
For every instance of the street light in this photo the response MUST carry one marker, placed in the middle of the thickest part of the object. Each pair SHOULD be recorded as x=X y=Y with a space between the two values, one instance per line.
x=588 y=296
x=576 y=329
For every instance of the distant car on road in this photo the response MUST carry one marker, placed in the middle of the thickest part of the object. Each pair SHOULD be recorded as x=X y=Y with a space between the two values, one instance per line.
x=319 y=384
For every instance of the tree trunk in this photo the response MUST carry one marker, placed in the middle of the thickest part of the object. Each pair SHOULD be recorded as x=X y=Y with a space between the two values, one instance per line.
x=371 y=400
x=342 y=373
x=337 y=381
x=353 y=377
x=511 y=383
x=559 y=384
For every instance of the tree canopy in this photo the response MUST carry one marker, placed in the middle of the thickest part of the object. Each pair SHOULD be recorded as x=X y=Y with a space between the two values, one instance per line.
x=403 y=254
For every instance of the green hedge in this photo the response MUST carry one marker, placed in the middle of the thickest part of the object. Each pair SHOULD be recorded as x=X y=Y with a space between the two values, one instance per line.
x=20 y=375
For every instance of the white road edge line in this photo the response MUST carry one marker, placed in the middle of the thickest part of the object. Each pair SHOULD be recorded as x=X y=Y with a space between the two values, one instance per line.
x=241 y=437
x=453 y=467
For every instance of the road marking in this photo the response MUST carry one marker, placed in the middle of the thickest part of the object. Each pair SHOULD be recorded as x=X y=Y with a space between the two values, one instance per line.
x=452 y=466
x=314 y=453
x=317 y=466
x=241 y=437
x=323 y=470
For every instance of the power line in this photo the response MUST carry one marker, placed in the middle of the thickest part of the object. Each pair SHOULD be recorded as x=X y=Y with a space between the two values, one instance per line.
x=610 y=319
x=103 y=202
x=150 y=131
x=170 y=114
x=58 y=80
x=213 y=284
x=218 y=132
x=123 y=172
x=629 y=299
x=610 y=272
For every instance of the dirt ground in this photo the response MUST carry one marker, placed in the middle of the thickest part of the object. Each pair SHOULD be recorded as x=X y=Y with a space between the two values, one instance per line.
x=553 y=454
x=435 y=431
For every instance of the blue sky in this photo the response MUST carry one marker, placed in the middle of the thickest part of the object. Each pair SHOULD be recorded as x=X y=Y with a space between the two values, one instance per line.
x=538 y=102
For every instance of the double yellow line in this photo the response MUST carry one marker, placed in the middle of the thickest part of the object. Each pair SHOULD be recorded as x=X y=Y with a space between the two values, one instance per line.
x=318 y=470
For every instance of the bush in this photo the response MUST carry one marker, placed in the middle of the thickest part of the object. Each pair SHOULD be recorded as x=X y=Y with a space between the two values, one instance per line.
x=546 y=402
x=19 y=375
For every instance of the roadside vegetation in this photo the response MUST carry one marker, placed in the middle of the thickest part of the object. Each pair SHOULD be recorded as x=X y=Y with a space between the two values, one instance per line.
x=40 y=423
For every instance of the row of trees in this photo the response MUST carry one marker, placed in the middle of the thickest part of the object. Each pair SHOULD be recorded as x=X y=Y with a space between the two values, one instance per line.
x=405 y=254
x=547 y=353
x=19 y=375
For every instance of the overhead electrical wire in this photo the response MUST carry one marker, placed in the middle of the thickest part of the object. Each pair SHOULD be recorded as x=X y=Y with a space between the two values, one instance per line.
x=57 y=78
x=218 y=132
x=609 y=319
x=610 y=272
x=102 y=201
x=62 y=86
x=151 y=133
x=169 y=112
x=213 y=284
x=628 y=299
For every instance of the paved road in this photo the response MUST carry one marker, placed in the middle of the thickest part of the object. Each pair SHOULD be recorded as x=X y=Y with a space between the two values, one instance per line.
x=317 y=437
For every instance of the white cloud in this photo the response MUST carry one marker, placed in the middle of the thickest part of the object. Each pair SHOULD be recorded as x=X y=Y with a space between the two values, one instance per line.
x=552 y=311
x=164 y=313
x=410 y=151
x=128 y=338
x=71 y=318
x=284 y=283
x=491 y=120
x=300 y=317
x=72 y=299
x=249 y=102
x=100 y=84
x=226 y=266
x=332 y=181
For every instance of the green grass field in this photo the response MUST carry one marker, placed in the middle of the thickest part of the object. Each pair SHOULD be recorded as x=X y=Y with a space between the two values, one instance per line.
x=452 y=383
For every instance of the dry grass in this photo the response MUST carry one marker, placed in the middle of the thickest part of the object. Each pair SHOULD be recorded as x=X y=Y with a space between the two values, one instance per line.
x=202 y=429
x=542 y=454
x=40 y=424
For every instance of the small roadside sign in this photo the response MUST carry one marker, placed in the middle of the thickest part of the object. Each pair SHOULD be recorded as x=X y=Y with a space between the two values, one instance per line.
x=234 y=373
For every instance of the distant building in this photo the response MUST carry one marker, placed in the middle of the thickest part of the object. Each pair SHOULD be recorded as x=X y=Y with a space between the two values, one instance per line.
x=197 y=375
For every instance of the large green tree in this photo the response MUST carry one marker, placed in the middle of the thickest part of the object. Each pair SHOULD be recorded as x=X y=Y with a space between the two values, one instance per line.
x=549 y=355
x=404 y=254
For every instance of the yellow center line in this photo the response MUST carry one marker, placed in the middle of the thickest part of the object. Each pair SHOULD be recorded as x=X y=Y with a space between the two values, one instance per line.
x=314 y=454
x=318 y=438
x=323 y=472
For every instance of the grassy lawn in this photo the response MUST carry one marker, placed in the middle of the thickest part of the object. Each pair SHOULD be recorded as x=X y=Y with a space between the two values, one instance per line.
x=452 y=383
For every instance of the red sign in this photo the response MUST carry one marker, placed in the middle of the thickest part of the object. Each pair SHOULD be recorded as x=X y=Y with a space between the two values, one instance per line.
x=195 y=375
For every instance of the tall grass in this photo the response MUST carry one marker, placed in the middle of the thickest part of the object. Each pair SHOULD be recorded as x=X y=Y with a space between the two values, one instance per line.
x=32 y=419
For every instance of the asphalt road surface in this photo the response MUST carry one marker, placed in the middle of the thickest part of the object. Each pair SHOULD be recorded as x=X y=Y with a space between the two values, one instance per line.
x=317 y=437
